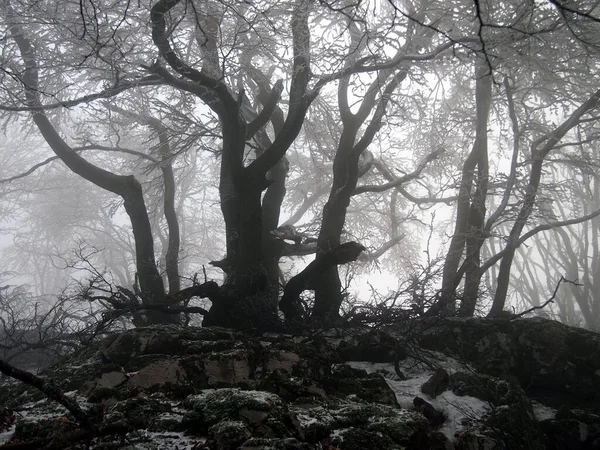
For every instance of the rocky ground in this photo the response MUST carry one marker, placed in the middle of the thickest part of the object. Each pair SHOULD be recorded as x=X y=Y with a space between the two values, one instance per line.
x=453 y=384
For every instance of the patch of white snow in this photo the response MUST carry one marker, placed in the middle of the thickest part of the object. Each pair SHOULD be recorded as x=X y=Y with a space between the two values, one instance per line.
x=7 y=435
x=460 y=411
x=542 y=412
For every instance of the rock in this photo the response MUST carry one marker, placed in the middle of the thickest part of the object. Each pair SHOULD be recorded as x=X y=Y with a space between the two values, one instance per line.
x=44 y=430
x=290 y=388
x=313 y=423
x=385 y=427
x=573 y=429
x=439 y=441
x=230 y=434
x=213 y=406
x=346 y=381
x=213 y=389
x=437 y=384
x=510 y=419
x=374 y=346
x=558 y=364
x=433 y=416
x=479 y=438
x=277 y=444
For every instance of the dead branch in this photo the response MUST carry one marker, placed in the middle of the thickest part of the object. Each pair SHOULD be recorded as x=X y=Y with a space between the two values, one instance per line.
x=550 y=300
x=48 y=389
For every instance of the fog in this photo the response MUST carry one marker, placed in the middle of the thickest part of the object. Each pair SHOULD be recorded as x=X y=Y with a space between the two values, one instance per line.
x=300 y=159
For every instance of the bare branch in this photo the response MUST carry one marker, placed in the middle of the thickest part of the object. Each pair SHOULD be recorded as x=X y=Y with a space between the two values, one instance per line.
x=49 y=390
x=359 y=66
x=79 y=149
x=161 y=40
x=548 y=226
x=514 y=159
x=116 y=89
x=550 y=300
x=267 y=111
x=399 y=181
x=300 y=100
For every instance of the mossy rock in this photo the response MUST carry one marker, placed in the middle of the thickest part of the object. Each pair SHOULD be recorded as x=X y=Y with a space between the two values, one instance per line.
x=312 y=422
x=396 y=428
x=497 y=391
x=230 y=434
x=361 y=439
x=345 y=380
x=264 y=413
x=45 y=429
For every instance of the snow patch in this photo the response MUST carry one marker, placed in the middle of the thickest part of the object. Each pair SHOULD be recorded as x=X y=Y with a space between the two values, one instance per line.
x=460 y=411
x=7 y=435
x=172 y=440
x=542 y=412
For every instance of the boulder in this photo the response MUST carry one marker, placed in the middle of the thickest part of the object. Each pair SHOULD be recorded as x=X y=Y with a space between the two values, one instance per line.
x=558 y=364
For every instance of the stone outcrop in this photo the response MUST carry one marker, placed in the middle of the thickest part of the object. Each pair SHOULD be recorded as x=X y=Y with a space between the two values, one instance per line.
x=178 y=387
x=559 y=365
x=218 y=389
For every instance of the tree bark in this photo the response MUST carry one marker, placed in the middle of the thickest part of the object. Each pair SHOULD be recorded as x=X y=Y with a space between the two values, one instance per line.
x=328 y=293
x=173 y=241
x=311 y=276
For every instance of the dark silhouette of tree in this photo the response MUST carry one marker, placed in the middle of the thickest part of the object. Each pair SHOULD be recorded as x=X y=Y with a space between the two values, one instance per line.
x=333 y=129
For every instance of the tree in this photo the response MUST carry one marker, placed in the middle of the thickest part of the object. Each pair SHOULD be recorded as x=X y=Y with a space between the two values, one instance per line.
x=501 y=42
x=571 y=251
x=281 y=91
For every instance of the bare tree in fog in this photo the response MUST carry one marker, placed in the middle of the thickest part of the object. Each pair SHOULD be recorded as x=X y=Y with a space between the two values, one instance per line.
x=331 y=129
x=571 y=251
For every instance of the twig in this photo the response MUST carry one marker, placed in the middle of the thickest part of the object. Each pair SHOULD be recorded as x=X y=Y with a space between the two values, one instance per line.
x=550 y=300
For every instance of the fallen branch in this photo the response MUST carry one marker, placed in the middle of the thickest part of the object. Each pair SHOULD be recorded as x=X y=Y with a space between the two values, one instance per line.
x=204 y=290
x=89 y=428
x=67 y=440
x=51 y=391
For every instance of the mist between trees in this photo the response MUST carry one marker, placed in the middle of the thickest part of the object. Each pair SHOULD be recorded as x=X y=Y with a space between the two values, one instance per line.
x=252 y=164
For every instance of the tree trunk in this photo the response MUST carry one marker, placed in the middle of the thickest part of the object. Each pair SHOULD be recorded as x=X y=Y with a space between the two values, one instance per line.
x=172 y=256
x=245 y=300
x=153 y=292
x=538 y=156
x=328 y=293
x=470 y=211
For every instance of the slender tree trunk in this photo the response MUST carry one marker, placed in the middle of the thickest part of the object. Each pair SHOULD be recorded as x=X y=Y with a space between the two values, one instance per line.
x=174 y=242
x=470 y=211
x=538 y=156
x=271 y=208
